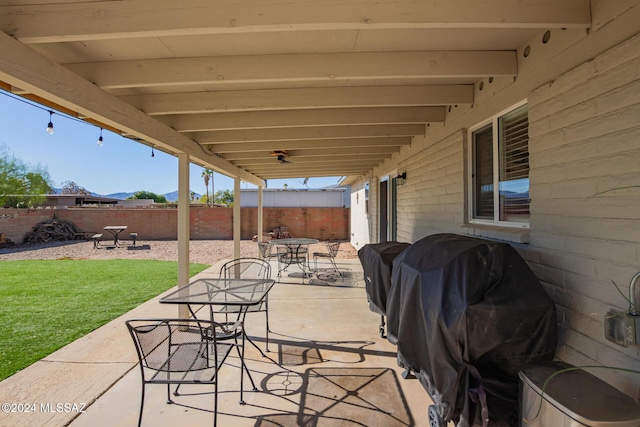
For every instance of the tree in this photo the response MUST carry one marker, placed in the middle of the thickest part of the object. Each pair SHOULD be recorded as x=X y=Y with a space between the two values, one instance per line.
x=205 y=200
x=157 y=198
x=70 y=187
x=224 y=197
x=207 y=175
x=20 y=184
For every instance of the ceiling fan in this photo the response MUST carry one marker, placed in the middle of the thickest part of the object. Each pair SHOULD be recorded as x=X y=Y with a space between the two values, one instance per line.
x=281 y=155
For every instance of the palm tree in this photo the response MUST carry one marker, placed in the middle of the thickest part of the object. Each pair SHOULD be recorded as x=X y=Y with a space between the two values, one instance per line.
x=207 y=174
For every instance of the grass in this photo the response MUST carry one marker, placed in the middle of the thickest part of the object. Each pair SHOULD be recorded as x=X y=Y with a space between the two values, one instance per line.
x=47 y=304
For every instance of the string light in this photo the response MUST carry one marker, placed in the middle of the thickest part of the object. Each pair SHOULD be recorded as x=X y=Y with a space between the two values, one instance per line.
x=65 y=116
x=50 y=124
x=100 y=140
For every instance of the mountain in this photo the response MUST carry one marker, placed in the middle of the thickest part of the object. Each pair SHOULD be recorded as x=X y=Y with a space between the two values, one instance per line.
x=171 y=197
x=119 y=195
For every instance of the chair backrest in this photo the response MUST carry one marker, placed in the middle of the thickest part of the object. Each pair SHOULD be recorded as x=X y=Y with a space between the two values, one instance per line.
x=284 y=233
x=246 y=268
x=171 y=345
x=264 y=248
x=334 y=247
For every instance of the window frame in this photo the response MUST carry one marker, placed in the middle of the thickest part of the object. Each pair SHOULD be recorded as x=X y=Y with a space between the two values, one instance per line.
x=494 y=122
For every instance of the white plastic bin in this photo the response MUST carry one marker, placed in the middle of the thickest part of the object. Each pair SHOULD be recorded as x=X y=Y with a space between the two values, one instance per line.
x=573 y=399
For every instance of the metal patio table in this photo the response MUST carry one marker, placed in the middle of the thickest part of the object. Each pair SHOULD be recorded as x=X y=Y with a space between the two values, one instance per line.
x=297 y=252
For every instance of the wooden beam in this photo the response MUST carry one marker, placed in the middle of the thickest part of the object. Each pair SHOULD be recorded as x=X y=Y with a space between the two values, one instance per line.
x=77 y=21
x=301 y=118
x=340 y=68
x=310 y=144
x=331 y=160
x=291 y=172
x=306 y=168
x=318 y=152
x=280 y=99
x=320 y=132
x=24 y=67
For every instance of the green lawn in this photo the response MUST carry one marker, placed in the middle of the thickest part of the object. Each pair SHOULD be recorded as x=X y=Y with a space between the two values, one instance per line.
x=47 y=304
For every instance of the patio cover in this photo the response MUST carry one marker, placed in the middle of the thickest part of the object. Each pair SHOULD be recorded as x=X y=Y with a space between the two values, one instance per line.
x=466 y=315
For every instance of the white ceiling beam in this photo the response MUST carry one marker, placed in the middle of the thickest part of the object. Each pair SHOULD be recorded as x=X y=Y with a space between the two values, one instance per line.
x=28 y=69
x=313 y=144
x=320 y=132
x=75 y=21
x=303 y=68
x=319 y=160
x=317 y=152
x=305 y=169
x=300 y=118
x=280 y=99
x=286 y=171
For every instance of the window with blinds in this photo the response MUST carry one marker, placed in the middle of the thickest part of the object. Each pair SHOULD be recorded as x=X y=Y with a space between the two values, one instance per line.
x=483 y=173
x=513 y=144
x=501 y=146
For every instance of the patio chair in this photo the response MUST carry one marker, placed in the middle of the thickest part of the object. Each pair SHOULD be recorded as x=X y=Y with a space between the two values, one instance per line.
x=247 y=268
x=332 y=251
x=284 y=233
x=265 y=249
x=178 y=351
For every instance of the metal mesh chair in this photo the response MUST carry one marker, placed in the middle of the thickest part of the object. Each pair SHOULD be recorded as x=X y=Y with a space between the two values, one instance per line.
x=332 y=251
x=178 y=351
x=247 y=268
x=265 y=249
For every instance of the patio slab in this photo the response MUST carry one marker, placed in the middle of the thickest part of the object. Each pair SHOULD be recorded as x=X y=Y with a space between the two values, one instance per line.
x=327 y=367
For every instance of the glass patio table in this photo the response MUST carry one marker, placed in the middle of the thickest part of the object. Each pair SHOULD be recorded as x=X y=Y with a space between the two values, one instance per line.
x=241 y=293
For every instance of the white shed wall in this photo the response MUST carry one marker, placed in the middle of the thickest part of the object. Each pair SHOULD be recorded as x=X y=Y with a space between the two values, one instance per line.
x=280 y=198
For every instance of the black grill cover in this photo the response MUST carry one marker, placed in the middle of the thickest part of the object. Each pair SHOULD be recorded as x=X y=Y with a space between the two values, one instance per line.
x=466 y=312
x=376 y=260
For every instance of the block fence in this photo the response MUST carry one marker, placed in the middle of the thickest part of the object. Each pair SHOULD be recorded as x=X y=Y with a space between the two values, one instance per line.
x=206 y=223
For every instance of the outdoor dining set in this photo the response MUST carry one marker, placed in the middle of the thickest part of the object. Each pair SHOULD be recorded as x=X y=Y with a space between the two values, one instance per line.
x=192 y=350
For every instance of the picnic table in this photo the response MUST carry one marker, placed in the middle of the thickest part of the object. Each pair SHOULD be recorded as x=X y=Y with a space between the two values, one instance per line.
x=115 y=230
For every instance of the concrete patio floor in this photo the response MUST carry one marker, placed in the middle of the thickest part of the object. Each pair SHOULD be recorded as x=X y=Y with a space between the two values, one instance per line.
x=327 y=366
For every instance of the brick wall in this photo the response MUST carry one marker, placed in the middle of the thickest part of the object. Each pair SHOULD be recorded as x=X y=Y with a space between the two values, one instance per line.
x=206 y=223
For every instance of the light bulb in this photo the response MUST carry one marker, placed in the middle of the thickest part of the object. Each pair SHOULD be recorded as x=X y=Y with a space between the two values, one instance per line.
x=50 y=124
x=100 y=140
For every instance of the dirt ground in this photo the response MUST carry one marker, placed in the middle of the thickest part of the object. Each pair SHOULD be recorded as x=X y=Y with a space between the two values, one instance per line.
x=200 y=251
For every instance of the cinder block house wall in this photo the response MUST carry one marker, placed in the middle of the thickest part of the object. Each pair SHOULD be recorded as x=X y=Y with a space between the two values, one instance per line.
x=583 y=95
x=584 y=131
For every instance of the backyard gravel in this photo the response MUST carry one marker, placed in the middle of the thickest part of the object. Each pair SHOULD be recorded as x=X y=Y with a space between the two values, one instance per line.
x=200 y=251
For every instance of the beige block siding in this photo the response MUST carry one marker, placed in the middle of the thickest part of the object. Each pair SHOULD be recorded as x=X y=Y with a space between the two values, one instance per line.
x=433 y=198
x=584 y=112
x=585 y=138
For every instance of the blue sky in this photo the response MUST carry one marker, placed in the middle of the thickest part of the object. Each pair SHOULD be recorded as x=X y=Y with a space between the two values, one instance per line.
x=119 y=165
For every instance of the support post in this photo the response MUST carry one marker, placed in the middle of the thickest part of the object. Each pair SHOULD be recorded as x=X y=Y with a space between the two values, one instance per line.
x=236 y=218
x=260 y=216
x=184 y=199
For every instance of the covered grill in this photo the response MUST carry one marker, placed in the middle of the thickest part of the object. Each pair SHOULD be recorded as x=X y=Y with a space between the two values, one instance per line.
x=466 y=315
x=377 y=260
